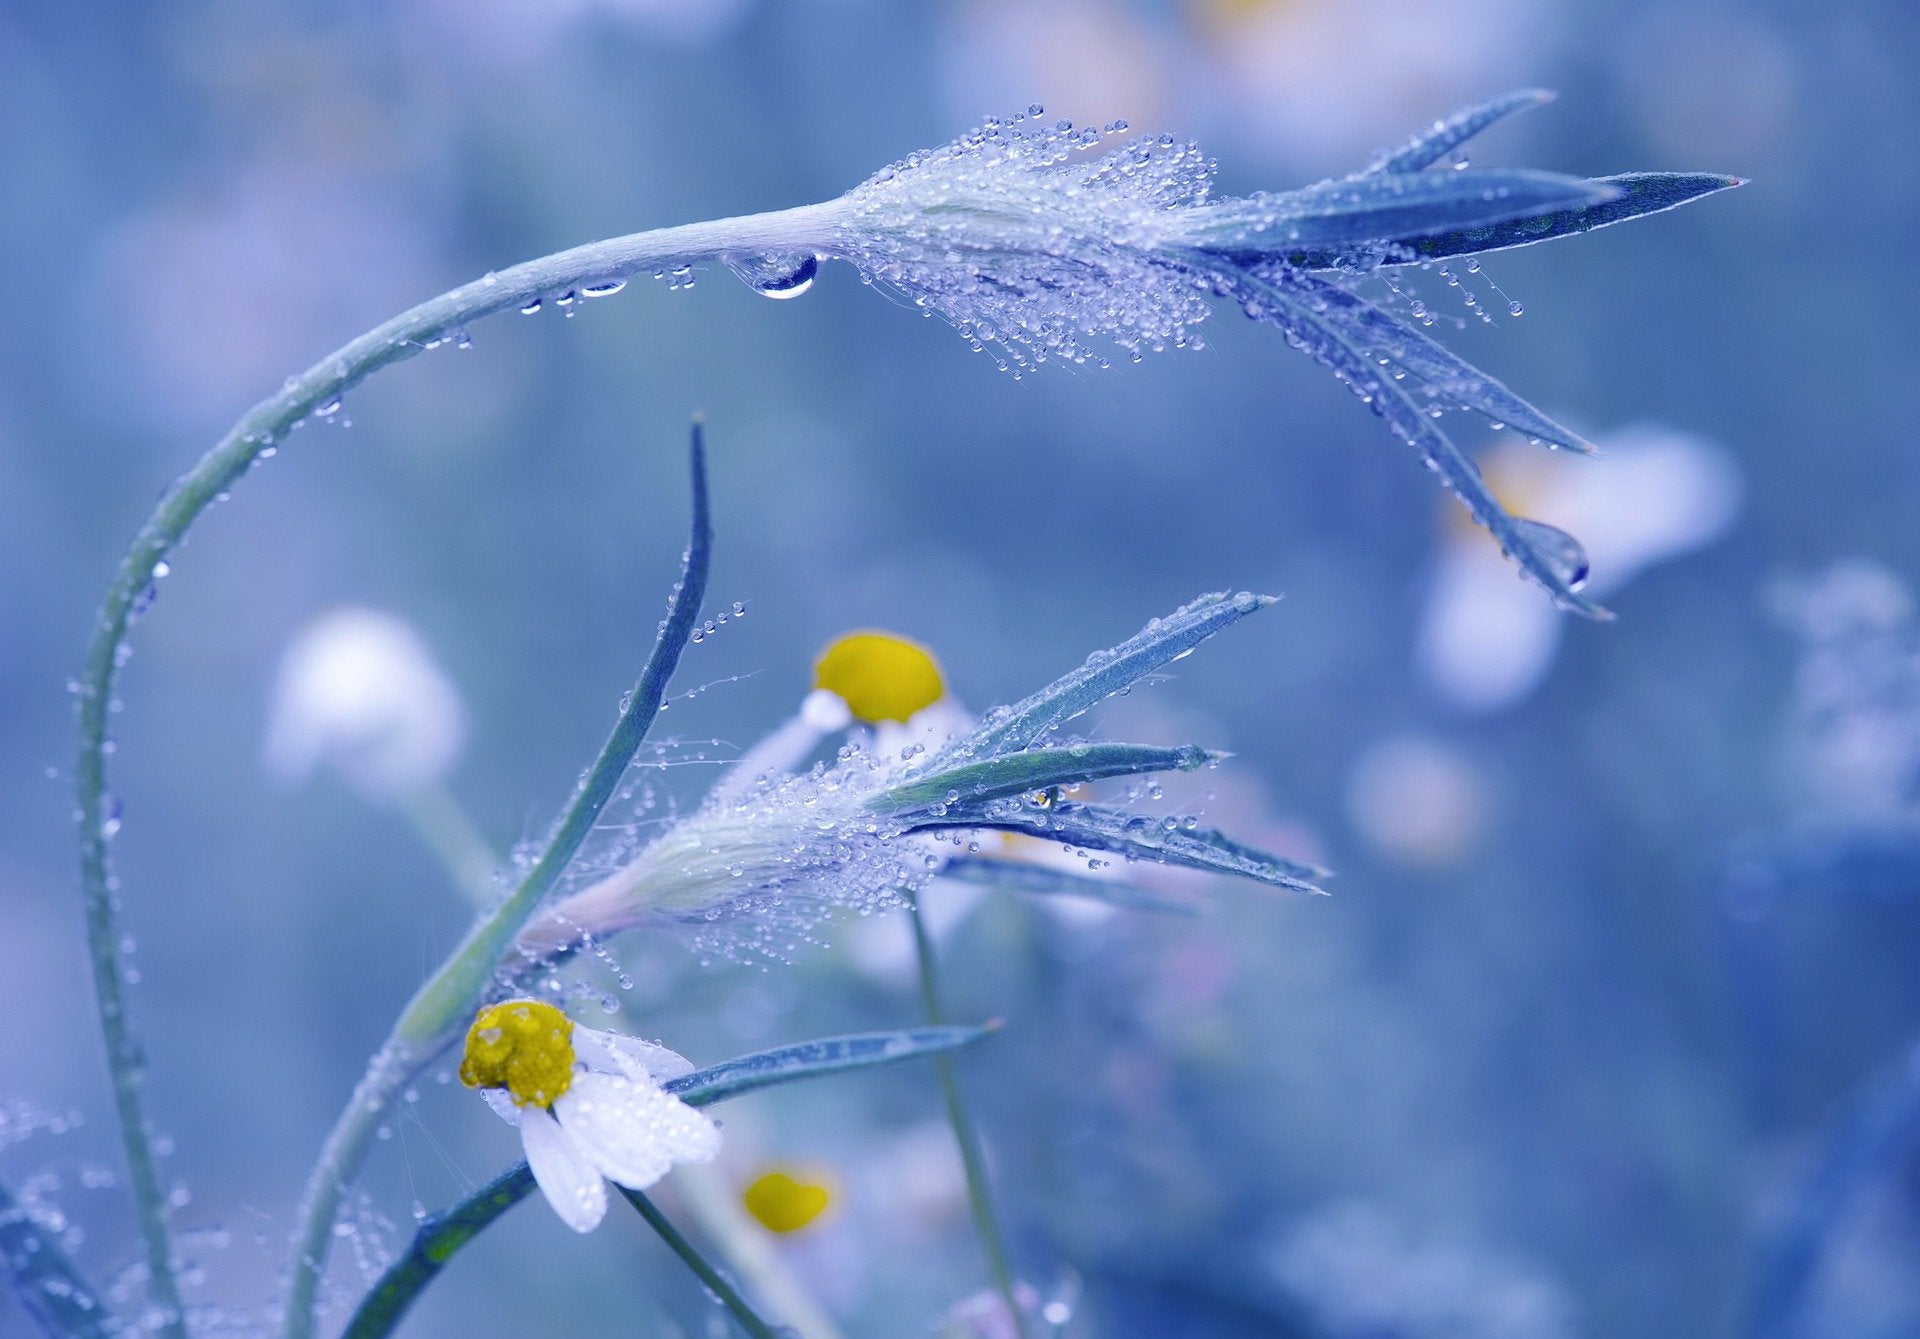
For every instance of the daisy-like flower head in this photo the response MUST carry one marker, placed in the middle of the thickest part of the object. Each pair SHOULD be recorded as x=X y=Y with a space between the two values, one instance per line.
x=772 y=852
x=886 y=686
x=588 y=1104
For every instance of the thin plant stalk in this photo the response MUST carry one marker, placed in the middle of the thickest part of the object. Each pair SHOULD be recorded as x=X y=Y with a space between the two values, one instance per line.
x=748 y=1251
x=434 y=1017
x=598 y=265
x=445 y=830
x=715 y=1282
x=979 y=1192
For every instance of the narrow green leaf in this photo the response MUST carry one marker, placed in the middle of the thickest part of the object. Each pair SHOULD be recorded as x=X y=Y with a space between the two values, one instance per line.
x=44 y=1280
x=1105 y=673
x=1446 y=135
x=809 y=1059
x=1164 y=841
x=1021 y=876
x=1388 y=207
x=1637 y=194
x=1032 y=770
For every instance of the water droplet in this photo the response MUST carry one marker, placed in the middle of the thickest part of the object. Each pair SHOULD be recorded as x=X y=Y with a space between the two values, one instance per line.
x=1561 y=552
x=776 y=276
x=606 y=288
x=531 y=306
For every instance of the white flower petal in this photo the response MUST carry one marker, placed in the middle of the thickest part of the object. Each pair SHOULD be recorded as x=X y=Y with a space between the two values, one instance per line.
x=1489 y=636
x=633 y=1131
x=503 y=1104
x=565 y=1175
x=783 y=750
x=611 y=1053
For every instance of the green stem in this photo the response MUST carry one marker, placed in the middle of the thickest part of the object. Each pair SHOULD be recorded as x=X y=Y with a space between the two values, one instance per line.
x=979 y=1195
x=444 y=828
x=441 y=1008
x=748 y=1250
x=716 y=1283
x=262 y=430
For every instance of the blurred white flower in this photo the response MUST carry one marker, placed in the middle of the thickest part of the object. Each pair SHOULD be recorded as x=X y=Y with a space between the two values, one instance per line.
x=1359 y=1276
x=1282 y=71
x=1487 y=637
x=359 y=691
x=588 y=1104
x=1857 y=692
x=1417 y=801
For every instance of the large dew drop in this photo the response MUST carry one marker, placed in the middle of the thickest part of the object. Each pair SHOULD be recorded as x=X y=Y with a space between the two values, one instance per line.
x=776 y=276
x=1561 y=551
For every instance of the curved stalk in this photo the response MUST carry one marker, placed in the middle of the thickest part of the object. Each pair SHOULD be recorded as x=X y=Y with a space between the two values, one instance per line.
x=972 y=1159
x=433 y=1019
x=717 y=1284
x=260 y=431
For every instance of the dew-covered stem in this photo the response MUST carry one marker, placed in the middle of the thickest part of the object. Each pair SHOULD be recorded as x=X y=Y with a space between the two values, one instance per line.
x=434 y=1017
x=972 y=1160
x=716 y=1283
x=257 y=434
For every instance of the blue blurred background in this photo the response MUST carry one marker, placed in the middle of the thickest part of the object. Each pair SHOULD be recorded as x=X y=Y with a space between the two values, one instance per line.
x=1606 y=1028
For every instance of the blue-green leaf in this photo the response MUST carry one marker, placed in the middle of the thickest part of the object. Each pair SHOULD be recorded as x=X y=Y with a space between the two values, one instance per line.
x=1551 y=557
x=44 y=1280
x=1444 y=136
x=765 y=1069
x=1105 y=673
x=1432 y=365
x=1021 y=876
x=1637 y=194
x=1166 y=841
x=1031 y=770
x=1388 y=206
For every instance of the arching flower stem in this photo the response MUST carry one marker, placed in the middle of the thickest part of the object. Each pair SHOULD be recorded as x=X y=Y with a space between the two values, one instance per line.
x=258 y=433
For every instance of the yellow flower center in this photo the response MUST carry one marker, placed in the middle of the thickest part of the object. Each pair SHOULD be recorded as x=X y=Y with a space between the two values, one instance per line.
x=523 y=1046
x=879 y=676
x=782 y=1204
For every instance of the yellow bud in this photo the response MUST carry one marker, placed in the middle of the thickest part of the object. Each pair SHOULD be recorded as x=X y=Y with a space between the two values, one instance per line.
x=781 y=1204
x=879 y=676
x=523 y=1046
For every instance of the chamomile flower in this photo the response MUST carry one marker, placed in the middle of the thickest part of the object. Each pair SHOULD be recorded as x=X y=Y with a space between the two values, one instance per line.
x=888 y=687
x=588 y=1104
x=359 y=692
